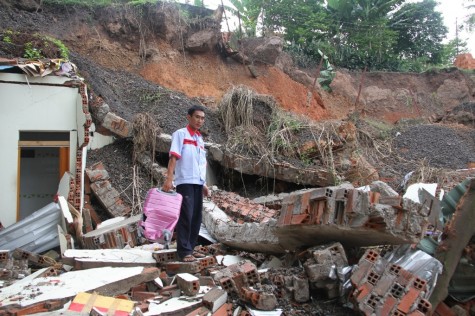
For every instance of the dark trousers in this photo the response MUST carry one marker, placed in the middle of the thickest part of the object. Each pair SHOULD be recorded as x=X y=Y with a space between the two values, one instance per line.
x=189 y=223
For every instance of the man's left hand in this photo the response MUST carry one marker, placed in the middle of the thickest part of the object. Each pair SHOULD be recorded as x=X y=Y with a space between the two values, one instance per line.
x=205 y=190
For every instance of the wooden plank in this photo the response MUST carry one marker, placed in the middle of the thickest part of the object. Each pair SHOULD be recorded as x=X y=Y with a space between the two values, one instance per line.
x=43 y=143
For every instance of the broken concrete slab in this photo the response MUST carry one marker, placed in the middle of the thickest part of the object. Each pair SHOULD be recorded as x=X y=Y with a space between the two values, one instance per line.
x=107 y=195
x=314 y=217
x=274 y=201
x=248 y=165
x=264 y=167
x=174 y=306
x=158 y=172
x=95 y=258
x=248 y=236
x=105 y=281
x=242 y=209
x=347 y=215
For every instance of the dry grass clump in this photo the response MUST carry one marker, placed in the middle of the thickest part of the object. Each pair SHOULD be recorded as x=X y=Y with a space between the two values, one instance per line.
x=236 y=108
x=247 y=141
x=425 y=173
x=246 y=119
x=282 y=134
x=145 y=131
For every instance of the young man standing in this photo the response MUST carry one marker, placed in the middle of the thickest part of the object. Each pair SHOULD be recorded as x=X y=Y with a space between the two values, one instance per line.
x=188 y=164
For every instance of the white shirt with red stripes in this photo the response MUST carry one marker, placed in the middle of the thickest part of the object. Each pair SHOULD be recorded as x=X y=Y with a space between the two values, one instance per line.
x=188 y=147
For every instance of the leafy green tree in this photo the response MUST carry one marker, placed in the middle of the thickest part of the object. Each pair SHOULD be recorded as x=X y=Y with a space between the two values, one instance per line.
x=248 y=11
x=198 y=3
x=420 y=31
x=450 y=51
x=471 y=16
x=360 y=32
x=301 y=21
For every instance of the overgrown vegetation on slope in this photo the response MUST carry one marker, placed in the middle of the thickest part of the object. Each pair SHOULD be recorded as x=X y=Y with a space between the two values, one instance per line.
x=32 y=46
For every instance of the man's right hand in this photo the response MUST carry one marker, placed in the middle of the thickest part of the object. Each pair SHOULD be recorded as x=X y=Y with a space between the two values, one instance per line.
x=167 y=185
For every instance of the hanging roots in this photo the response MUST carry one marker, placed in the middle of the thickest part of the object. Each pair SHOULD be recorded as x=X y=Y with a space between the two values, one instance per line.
x=236 y=108
x=145 y=131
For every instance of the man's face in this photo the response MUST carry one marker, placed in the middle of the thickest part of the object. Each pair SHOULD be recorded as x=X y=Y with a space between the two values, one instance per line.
x=196 y=120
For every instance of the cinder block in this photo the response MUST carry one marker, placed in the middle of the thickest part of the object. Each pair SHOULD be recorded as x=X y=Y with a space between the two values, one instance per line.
x=387 y=307
x=424 y=307
x=409 y=300
x=419 y=284
x=260 y=300
x=214 y=299
x=250 y=271
x=359 y=275
x=239 y=281
x=405 y=278
x=189 y=284
x=163 y=256
x=363 y=292
x=4 y=255
x=374 y=301
x=317 y=272
x=397 y=290
x=207 y=262
x=182 y=267
x=227 y=284
x=384 y=284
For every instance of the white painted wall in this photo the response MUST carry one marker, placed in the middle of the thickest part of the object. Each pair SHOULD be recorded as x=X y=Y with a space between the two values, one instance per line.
x=25 y=107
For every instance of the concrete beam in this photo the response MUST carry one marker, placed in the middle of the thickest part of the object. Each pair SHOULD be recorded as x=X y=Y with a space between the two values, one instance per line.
x=254 y=166
x=117 y=125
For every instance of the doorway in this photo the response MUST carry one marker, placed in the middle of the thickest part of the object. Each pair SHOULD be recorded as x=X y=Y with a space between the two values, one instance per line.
x=43 y=159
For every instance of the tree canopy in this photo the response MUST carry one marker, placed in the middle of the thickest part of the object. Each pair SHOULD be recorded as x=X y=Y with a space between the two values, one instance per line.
x=378 y=34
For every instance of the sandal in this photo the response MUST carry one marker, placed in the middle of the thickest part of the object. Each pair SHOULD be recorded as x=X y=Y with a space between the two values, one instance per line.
x=188 y=258
x=197 y=254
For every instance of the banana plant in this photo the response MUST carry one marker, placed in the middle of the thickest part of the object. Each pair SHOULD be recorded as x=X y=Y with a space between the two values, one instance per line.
x=248 y=11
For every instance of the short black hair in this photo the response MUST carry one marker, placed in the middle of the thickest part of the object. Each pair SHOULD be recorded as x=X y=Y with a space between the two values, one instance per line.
x=195 y=108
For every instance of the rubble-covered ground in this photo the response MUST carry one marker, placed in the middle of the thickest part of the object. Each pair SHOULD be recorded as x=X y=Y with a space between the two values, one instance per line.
x=431 y=138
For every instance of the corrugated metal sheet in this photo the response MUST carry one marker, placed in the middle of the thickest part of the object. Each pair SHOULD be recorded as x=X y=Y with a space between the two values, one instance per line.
x=36 y=233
